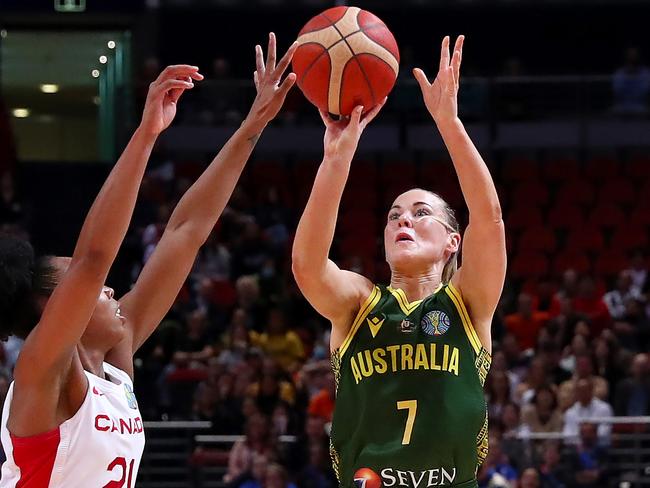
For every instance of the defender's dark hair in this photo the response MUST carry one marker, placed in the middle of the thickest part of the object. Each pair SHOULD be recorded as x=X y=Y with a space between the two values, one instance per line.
x=23 y=280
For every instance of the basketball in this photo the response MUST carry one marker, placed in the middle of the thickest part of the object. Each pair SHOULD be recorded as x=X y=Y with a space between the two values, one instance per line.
x=346 y=57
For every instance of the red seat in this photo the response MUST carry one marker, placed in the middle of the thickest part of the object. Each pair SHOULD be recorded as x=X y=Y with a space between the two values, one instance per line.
x=619 y=190
x=537 y=238
x=565 y=217
x=561 y=169
x=355 y=198
x=520 y=218
x=266 y=173
x=610 y=262
x=403 y=171
x=606 y=215
x=628 y=238
x=519 y=169
x=569 y=259
x=638 y=168
x=589 y=239
x=530 y=193
x=528 y=265
x=357 y=221
x=602 y=168
x=363 y=172
x=578 y=192
x=359 y=245
x=640 y=217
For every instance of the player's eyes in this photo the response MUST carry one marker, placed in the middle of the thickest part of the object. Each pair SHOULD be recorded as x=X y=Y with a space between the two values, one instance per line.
x=421 y=212
x=393 y=216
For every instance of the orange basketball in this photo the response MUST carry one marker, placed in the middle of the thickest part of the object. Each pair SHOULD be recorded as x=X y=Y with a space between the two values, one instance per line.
x=346 y=57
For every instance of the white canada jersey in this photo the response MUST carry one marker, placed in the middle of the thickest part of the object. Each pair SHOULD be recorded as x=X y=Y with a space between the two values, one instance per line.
x=99 y=447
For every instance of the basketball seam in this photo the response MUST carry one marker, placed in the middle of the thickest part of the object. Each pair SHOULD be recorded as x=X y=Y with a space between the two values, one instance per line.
x=363 y=71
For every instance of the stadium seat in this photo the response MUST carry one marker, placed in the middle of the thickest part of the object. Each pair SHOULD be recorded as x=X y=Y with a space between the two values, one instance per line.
x=561 y=169
x=587 y=239
x=638 y=168
x=530 y=193
x=606 y=215
x=577 y=192
x=627 y=238
x=570 y=259
x=565 y=217
x=537 y=238
x=619 y=190
x=529 y=265
x=520 y=218
x=519 y=169
x=601 y=168
x=610 y=262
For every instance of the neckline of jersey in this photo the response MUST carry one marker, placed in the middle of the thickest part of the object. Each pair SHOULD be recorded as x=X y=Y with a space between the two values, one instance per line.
x=403 y=301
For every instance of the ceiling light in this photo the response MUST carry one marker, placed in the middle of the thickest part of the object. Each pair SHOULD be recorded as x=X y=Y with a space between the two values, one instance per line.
x=103 y=59
x=20 y=113
x=49 y=88
x=95 y=73
x=3 y=33
x=111 y=44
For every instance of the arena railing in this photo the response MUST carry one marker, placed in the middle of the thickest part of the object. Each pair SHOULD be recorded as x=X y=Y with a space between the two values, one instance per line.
x=628 y=448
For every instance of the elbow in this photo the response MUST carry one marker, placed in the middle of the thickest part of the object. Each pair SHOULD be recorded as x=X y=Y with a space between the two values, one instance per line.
x=490 y=213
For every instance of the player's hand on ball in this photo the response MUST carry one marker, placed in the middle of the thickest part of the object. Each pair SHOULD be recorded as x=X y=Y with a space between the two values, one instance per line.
x=440 y=97
x=342 y=136
x=164 y=92
x=270 y=92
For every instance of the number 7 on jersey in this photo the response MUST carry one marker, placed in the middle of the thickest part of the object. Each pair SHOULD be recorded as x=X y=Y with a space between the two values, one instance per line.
x=412 y=407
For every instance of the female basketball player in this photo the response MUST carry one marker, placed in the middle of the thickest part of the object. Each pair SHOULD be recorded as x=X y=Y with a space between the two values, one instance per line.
x=410 y=358
x=71 y=418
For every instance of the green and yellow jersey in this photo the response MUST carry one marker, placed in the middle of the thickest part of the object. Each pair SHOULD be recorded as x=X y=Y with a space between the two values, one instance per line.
x=410 y=409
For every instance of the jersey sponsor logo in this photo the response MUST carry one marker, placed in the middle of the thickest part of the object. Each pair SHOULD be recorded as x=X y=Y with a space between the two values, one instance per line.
x=97 y=392
x=406 y=326
x=104 y=423
x=391 y=477
x=130 y=397
x=375 y=324
x=405 y=357
x=366 y=478
x=435 y=323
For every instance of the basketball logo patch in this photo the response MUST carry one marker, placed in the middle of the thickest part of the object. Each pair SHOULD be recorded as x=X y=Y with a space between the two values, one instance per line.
x=435 y=323
x=130 y=397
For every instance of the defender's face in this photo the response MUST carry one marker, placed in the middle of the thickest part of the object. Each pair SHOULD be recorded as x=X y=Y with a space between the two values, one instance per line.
x=416 y=233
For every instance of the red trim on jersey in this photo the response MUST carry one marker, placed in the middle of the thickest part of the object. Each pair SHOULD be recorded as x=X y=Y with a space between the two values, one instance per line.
x=34 y=456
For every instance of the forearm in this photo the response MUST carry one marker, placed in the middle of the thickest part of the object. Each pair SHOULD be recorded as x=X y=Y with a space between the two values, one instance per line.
x=109 y=217
x=203 y=203
x=315 y=230
x=475 y=180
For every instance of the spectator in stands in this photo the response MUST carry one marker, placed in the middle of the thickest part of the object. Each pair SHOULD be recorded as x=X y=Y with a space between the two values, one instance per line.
x=639 y=271
x=586 y=407
x=255 y=477
x=279 y=342
x=249 y=299
x=514 y=435
x=250 y=251
x=259 y=440
x=514 y=360
x=584 y=370
x=633 y=329
x=236 y=341
x=543 y=414
x=227 y=416
x=497 y=391
x=529 y=479
x=633 y=394
x=588 y=461
x=322 y=404
x=554 y=473
x=536 y=378
x=271 y=389
x=616 y=298
x=313 y=433
x=607 y=359
x=500 y=364
x=549 y=351
x=526 y=322
x=318 y=473
x=579 y=347
x=194 y=349
x=497 y=470
x=590 y=302
x=276 y=477
x=212 y=262
x=631 y=85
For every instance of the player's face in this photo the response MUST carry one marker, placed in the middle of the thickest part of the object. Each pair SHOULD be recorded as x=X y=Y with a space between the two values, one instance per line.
x=417 y=235
x=106 y=326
